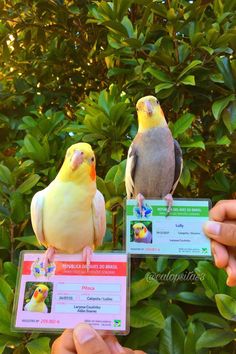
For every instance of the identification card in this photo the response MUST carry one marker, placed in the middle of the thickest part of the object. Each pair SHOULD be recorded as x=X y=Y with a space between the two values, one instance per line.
x=152 y=232
x=69 y=293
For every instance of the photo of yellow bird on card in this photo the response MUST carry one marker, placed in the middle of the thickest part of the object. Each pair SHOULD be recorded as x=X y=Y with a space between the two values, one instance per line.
x=38 y=297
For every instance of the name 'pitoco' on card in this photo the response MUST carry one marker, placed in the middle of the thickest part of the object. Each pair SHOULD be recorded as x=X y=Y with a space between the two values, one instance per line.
x=150 y=232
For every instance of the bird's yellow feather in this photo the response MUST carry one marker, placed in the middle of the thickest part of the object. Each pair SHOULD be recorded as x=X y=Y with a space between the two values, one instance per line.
x=150 y=114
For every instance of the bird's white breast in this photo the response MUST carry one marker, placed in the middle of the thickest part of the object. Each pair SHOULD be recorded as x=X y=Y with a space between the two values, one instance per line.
x=67 y=217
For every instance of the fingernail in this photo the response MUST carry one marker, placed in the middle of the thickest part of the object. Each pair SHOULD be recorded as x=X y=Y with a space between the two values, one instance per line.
x=84 y=333
x=212 y=227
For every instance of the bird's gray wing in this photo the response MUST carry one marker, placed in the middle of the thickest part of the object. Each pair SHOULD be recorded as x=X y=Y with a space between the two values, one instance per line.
x=36 y=210
x=99 y=218
x=130 y=171
x=178 y=164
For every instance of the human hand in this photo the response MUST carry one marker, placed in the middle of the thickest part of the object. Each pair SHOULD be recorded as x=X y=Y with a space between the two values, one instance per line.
x=222 y=231
x=85 y=340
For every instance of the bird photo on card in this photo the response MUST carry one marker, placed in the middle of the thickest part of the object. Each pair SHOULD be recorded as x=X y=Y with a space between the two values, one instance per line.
x=37 y=301
x=154 y=161
x=69 y=215
x=141 y=233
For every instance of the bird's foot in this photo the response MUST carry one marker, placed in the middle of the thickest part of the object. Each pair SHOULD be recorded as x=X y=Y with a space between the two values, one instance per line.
x=48 y=258
x=87 y=255
x=169 y=200
x=140 y=198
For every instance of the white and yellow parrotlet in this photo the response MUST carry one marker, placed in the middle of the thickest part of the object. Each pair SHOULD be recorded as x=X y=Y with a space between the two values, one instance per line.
x=36 y=303
x=154 y=162
x=69 y=215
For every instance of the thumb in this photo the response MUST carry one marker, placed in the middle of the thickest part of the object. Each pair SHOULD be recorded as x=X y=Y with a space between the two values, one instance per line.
x=88 y=341
x=222 y=232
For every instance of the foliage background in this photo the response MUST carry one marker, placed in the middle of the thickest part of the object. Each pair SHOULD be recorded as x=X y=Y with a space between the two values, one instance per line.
x=72 y=71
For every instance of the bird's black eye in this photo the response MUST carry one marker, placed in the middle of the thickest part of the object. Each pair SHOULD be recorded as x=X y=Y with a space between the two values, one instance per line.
x=92 y=159
x=40 y=290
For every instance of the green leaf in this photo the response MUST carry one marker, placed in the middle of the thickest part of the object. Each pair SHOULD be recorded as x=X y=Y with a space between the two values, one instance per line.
x=17 y=207
x=28 y=240
x=5 y=175
x=162 y=263
x=185 y=177
x=219 y=182
x=28 y=184
x=191 y=66
x=164 y=86
x=158 y=74
x=117 y=28
x=8 y=341
x=172 y=338
x=176 y=312
x=189 y=80
x=226 y=306
x=39 y=346
x=224 y=140
x=142 y=289
x=5 y=323
x=10 y=273
x=4 y=238
x=219 y=105
x=141 y=336
x=195 y=330
x=146 y=315
x=229 y=117
x=208 y=281
x=192 y=298
x=213 y=338
x=179 y=266
x=224 y=66
x=6 y=294
x=210 y=319
x=34 y=149
x=195 y=142
x=182 y=124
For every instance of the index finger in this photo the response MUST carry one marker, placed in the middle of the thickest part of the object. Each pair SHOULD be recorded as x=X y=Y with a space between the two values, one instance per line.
x=64 y=344
x=224 y=210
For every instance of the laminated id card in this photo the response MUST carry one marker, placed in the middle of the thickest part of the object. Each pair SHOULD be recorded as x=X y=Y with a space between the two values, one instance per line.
x=67 y=293
x=151 y=231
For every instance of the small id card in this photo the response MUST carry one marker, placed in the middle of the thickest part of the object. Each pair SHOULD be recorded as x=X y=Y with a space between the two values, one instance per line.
x=152 y=232
x=68 y=294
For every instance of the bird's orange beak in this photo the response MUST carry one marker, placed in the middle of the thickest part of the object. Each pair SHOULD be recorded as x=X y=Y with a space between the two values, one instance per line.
x=77 y=159
x=93 y=172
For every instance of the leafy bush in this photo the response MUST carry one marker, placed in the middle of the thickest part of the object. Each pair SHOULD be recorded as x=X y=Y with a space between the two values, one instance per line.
x=73 y=71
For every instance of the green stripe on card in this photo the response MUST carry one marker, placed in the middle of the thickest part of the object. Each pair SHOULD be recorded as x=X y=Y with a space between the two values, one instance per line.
x=187 y=211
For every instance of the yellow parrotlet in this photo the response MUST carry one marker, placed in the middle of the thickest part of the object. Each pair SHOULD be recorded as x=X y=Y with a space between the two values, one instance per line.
x=69 y=215
x=154 y=161
x=36 y=303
